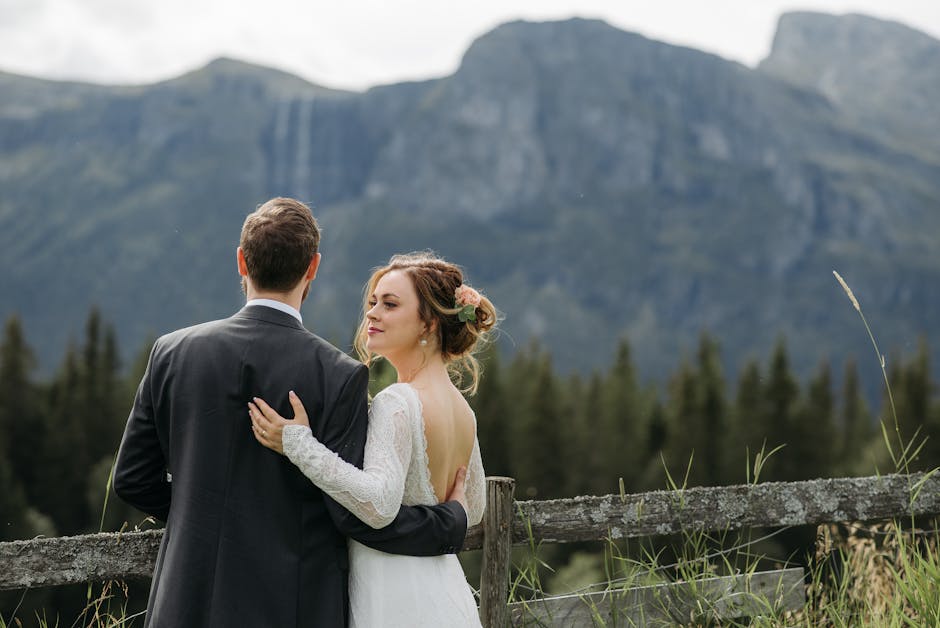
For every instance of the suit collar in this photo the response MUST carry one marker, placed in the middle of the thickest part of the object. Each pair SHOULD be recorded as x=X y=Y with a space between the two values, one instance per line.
x=278 y=305
x=269 y=315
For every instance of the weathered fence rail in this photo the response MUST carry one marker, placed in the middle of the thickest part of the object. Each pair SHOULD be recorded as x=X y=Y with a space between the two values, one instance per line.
x=99 y=557
x=772 y=504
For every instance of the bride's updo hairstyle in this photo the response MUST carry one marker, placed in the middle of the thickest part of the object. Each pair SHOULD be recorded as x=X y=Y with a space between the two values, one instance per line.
x=436 y=282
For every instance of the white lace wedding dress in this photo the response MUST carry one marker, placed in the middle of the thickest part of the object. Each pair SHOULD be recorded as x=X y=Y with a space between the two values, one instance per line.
x=388 y=589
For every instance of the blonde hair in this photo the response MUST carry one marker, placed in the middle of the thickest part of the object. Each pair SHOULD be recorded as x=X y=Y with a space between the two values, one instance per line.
x=436 y=281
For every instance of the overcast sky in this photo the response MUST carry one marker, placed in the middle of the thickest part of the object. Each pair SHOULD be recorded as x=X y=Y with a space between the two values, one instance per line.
x=354 y=44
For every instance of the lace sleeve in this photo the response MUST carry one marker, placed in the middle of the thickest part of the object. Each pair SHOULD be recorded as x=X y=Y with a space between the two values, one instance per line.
x=476 y=486
x=373 y=493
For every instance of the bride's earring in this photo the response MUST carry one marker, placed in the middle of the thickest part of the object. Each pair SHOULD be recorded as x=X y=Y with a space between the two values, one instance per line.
x=424 y=342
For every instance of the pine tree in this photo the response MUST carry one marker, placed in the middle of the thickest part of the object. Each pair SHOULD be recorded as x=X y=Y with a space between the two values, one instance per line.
x=13 y=521
x=590 y=416
x=749 y=431
x=856 y=422
x=549 y=467
x=657 y=437
x=114 y=400
x=620 y=441
x=892 y=416
x=493 y=414
x=698 y=419
x=813 y=439
x=535 y=399
x=781 y=394
x=19 y=407
x=685 y=429
x=119 y=514
x=62 y=462
x=523 y=426
x=576 y=445
x=912 y=399
x=100 y=390
x=711 y=411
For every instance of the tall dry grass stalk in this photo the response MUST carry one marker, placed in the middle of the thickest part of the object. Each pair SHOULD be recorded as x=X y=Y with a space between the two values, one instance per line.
x=855 y=577
x=876 y=575
x=905 y=452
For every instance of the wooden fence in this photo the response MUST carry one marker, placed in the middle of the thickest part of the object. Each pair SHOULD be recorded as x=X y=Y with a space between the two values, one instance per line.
x=101 y=557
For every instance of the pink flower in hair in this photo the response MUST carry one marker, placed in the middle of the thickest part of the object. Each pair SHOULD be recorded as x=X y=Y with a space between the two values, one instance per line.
x=465 y=295
x=467 y=299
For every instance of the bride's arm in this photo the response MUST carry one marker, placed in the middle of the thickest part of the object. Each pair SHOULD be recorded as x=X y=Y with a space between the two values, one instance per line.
x=373 y=493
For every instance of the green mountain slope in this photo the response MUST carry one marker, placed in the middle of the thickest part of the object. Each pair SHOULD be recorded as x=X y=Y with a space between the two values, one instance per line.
x=595 y=183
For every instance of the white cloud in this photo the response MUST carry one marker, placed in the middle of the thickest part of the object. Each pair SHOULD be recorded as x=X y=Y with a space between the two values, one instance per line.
x=359 y=42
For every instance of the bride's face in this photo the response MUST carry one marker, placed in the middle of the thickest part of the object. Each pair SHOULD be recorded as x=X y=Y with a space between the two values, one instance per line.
x=394 y=325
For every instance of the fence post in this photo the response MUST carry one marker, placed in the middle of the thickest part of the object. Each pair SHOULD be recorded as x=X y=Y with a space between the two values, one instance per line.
x=497 y=544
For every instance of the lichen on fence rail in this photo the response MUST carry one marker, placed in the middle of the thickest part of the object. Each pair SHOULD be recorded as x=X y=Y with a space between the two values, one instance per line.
x=72 y=559
x=771 y=504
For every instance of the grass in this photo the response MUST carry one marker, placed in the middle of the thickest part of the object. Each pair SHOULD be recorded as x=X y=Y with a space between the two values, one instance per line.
x=881 y=575
x=877 y=575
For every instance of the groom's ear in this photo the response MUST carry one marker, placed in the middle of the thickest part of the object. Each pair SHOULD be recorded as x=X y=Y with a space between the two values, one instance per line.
x=242 y=265
x=313 y=267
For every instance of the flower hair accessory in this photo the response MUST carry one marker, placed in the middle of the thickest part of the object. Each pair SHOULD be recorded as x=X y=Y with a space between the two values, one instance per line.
x=466 y=299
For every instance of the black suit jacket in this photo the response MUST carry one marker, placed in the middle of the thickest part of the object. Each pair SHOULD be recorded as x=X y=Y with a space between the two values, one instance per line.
x=250 y=541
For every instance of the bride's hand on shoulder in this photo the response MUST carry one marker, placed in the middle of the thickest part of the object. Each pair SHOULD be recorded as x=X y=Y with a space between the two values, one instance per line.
x=268 y=425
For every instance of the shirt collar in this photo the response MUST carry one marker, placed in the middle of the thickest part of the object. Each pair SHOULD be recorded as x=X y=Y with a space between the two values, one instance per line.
x=277 y=305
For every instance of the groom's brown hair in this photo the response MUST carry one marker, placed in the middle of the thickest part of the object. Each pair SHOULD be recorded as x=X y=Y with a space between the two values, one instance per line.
x=278 y=240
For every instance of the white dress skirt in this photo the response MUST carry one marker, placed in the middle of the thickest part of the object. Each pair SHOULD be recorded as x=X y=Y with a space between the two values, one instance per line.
x=390 y=590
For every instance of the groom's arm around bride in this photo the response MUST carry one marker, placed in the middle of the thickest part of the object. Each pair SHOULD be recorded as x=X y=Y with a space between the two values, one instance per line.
x=417 y=530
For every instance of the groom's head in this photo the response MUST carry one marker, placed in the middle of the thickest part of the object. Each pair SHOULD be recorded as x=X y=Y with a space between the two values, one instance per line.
x=279 y=241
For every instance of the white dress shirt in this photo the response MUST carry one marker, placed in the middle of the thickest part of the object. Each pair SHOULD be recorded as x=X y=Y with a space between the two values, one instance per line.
x=277 y=305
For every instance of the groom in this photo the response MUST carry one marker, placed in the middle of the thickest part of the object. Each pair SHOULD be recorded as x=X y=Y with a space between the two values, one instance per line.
x=249 y=541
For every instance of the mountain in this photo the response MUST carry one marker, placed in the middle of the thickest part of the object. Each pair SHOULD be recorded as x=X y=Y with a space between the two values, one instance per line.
x=881 y=74
x=595 y=183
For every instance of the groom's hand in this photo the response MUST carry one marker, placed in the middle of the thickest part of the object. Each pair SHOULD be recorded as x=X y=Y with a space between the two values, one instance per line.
x=458 y=493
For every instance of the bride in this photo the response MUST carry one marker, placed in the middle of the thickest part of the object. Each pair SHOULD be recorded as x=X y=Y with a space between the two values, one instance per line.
x=422 y=318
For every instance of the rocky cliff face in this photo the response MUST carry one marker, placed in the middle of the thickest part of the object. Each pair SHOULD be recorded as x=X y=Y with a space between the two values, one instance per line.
x=883 y=75
x=595 y=183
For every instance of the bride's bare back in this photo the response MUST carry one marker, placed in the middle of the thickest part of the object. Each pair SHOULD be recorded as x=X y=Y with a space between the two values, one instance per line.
x=450 y=429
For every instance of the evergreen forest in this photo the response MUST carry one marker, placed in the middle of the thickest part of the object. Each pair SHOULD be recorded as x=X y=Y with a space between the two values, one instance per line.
x=557 y=434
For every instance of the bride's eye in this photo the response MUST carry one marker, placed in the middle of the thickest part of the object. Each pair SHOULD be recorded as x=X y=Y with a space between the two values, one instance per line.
x=389 y=305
